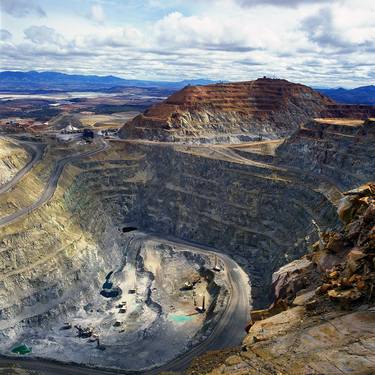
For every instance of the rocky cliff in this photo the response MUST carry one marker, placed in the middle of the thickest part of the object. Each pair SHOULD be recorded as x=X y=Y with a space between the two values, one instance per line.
x=340 y=149
x=323 y=317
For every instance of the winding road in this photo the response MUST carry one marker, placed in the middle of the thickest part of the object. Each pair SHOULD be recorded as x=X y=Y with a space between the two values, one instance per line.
x=51 y=186
x=229 y=330
x=36 y=151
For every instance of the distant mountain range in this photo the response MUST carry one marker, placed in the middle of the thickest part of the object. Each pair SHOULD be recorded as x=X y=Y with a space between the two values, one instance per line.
x=12 y=81
x=359 y=95
x=37 y=82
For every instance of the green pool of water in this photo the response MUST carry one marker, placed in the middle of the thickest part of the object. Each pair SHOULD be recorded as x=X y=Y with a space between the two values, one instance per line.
x=180 y=318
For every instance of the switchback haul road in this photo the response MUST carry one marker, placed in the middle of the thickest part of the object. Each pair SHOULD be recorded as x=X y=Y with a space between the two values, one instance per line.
x=51 y=186
x=227 y=332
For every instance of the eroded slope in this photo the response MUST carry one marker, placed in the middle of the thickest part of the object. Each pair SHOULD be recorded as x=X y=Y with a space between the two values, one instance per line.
x=327 y=319
x=229 y=111
x=12 y=159
x=241 y=201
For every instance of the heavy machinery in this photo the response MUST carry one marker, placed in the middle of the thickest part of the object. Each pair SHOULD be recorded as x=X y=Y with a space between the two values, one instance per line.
x=202 y=309
x=83 y=333
x=216 y=268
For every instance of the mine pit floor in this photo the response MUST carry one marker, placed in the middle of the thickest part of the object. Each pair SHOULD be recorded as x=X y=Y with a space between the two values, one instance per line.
x=160 y=320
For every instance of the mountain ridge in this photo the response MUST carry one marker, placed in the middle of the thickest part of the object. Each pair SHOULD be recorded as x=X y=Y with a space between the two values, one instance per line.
x=51 y=81
x=358 y=95
x=16 y=81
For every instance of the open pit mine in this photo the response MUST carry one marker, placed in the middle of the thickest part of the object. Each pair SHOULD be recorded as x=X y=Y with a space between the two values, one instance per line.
x=229 y=229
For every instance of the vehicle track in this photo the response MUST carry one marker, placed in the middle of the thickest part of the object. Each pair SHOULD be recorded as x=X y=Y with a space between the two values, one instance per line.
x=51 y=186
x=229 y=330
x=36 y=150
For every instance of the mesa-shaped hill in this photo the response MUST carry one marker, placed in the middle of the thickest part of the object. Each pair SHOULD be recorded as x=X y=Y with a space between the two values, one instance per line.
x=229 y=112
x=237 y=112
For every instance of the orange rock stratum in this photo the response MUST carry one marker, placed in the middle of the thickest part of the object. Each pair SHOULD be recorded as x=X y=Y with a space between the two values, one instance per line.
x=235 y=112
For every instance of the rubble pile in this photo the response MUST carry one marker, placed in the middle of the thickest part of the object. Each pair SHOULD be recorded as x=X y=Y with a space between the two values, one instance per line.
x=353 y=279
x=322 y=320
x=342 y=264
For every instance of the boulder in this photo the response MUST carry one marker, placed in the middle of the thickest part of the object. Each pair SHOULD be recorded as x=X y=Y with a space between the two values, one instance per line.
x=344 y=296
x=354 y=259
x=292 y=278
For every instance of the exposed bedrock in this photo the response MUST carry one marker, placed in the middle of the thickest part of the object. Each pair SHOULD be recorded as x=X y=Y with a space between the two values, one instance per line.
x=343 y=150
x=248 y=205
x=55 y=262
x=243 y=210
x=12 y=159
x=229 y=112
x=236 y=112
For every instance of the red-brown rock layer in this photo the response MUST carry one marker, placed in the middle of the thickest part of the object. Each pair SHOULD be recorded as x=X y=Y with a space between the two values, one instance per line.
x=267 y=107
x=232 y=112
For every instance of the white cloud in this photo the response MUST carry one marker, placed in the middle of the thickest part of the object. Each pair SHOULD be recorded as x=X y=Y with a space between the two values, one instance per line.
x=5 y=35
x=279 y=3
x=317 y=43
x=97 y=13
x=206 y=32
x=22 y=8
x=114 y=38
x=44 y=35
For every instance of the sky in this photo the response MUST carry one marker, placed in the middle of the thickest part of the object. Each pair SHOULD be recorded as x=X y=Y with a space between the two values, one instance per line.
x=325 y=43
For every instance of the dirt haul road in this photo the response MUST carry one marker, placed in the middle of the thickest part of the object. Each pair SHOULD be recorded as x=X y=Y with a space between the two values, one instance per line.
x=228 y=332
x=52 y=184
x=35 y=150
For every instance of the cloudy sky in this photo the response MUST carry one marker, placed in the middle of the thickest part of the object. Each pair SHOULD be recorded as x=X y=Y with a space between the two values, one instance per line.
x=316 y=42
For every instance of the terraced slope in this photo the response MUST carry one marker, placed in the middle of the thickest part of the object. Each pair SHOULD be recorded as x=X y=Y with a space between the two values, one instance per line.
x=323 y=318
x=255 y=202
x=341 y=150
x=230 y=111
x=12 y=159
x=237 y=112
x=69 y=244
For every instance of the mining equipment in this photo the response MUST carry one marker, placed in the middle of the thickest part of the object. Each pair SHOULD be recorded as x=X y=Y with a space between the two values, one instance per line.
x=202 y=309
x=216 y=266
x=93 y=338
x=96 y=338
x=83 y=333
x=188 y=286
x=98 y=346
x=88 y=134
x=66 y=326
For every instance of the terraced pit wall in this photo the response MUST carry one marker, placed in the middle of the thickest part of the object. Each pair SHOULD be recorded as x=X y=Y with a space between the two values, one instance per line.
x=242 y=210
x=59 y=254
x=12 y=159
x=50 y=265
x=340 y=152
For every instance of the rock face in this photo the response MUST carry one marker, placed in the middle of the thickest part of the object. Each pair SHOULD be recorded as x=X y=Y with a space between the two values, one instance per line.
x=242 y=201
x=262 y=203
x=236 y=112
x=327 y=325
x=342 y=150
x=229 y=111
